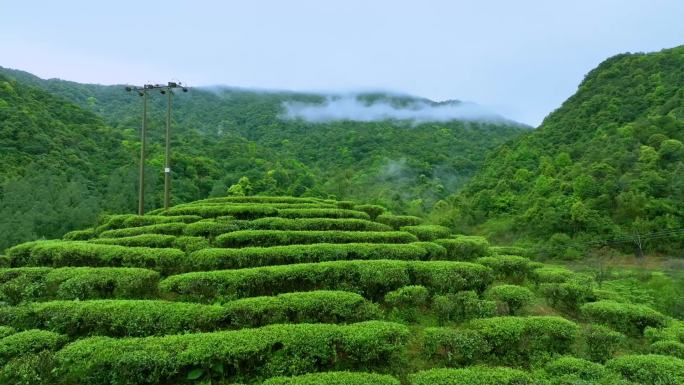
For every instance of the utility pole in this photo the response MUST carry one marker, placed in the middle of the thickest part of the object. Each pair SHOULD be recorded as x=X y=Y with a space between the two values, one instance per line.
x=143 y=143
x=167 y=153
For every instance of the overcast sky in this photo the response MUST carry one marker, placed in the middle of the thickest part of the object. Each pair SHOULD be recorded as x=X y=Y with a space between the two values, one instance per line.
x=519 y=58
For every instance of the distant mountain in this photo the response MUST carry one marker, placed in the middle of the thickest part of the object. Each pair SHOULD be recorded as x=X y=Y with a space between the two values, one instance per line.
x=397 y=150
x=608 y=162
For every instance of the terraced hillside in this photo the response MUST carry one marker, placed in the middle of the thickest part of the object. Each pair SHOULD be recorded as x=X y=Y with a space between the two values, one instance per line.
x=282 y=290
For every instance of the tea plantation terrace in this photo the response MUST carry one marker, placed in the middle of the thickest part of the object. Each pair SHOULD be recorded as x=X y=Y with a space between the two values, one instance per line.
x=289 y=291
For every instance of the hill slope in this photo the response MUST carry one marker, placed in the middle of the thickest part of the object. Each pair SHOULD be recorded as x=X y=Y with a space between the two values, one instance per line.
x=244 y=289
x=609 y=161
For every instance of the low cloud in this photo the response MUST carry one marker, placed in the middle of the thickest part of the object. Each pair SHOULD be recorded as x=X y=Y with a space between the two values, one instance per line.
x=352 y=108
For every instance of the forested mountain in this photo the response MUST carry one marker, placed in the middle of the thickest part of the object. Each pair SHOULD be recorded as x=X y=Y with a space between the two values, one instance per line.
x=221 y=135
x=608 y=162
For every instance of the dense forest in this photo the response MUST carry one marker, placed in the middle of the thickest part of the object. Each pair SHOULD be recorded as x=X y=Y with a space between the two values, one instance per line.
x=85 y=143
x=608 y=163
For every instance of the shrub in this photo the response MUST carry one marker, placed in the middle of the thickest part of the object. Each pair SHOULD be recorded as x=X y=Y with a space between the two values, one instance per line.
x=214 y=259
x=461 y=306
x=407 y=300
x=42 y=283
x=172 y=228
x=191 y=244
x=212 y=211
x=373 y=211
x=433 y=251
x=244 y=355
x=575 y=368
x=5 y=331
x=146 y=220
x=263 y=199
x=212 y=227
x=373 y=279
x=428 y=232
x=552 y=274
x=465 y=248
x=347 y=205
x=80 y=235
x=602 y=342
x=321 y=213
x=321 y=224
x=477 y=375
x=75 y=253
x=301 y=307
x=623 y=317
x=568 y=295
x=515 y=297
x=650 y=369
x=453 y=347
x=398 y=221
x=143 y=240
x=509 y=250
x=668 y=348
x=28 y=342
x=522 y=341
x=266 y=238
x=508 y=267
x=674 y=331
x=334 y=378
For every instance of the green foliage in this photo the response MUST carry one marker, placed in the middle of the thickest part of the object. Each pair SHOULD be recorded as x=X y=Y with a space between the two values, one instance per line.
x=43 y=283
x=511 y=268
x=522 y=341
x=454 y=347
x=75 y=253
x=567 y=296
x=650 y=369
x=322 y=213
x=465 y=248
x=244 y=355
x=212 y=211
x=142 y=240
x=80 y=235
x=627 y=318
x=373 y=211
x=191 y=244
x=428 y=232
x=215 y=259
x=28 y=342
x=320 y=224
x=266 y=238
x=514 y=297
x=334 y=378
x=601 y=342
x=407 y=301
x=211 y=228
x=552 y=274
x=5 y=331
x=571 y=369
x=373 y=279
x=162 y=228
x=471 y=376
x=461 y=306
x=668 y=348
x=398 y=221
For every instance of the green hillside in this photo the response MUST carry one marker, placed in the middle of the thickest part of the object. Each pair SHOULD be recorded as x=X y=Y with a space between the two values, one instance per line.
x=291 y=290
x=608 y=162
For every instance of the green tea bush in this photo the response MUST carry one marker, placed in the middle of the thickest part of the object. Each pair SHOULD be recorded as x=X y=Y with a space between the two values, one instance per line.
x=476 y=375
x=142 y=240
x=573 y=368
x=321 y=213
x=191 y=244
x=147 y=220
x=42 y=283
x=461 y=306
x=215 y=259
x=428 y=232
x=211 y=227
x=627 y=318
x=6 y=330
x=334 y=378
x=373 y=211
x=262 y=199
x=569 y=295
x=173 y=228
x=116 y=221
x=668 y=348
x=453 y=347
x=373 y=279
x=433 y=251
x=522 y=341
x=266 y=238
x=347 y=205
x=301 y=307
x=552 y=274
x=674 y=331
x=465 y=248
x=407 y=301
x=28 y=342
x=511 y=268
x=76 y=253
x=509 y=250
x=242 y=356
x=514 y=297
x=649 y=369
x=321 y=224
x=80 y=235
x=601 y=342
x=211 y=211
x=398 y=221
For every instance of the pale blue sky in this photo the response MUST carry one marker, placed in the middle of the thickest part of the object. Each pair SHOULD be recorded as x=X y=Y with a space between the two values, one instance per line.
x=519 y=58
